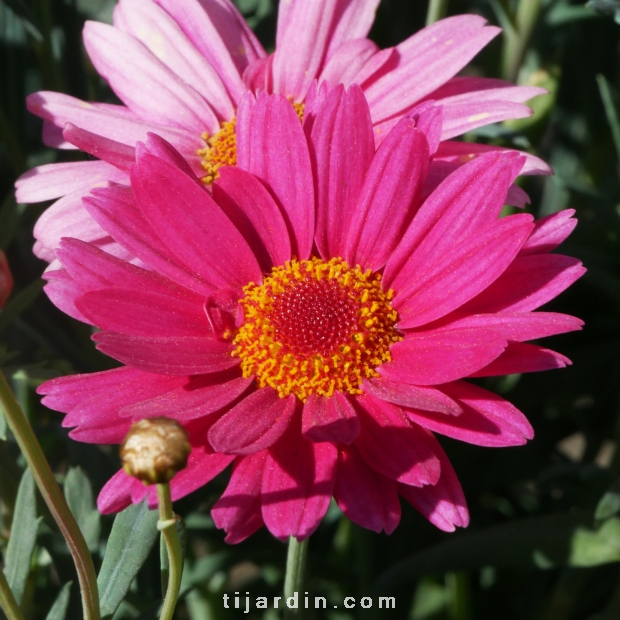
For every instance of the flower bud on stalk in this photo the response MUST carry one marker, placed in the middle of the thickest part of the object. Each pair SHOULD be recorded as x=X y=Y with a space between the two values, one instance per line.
x=154 y=450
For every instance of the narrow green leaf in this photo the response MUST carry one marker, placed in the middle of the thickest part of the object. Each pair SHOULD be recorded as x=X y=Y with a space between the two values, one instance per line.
x=58 y=610
x=133 y=534
x=79 y=495
x=18 y=303
x=23 y=536
x=609 y=504
x=541 y=542
x=2 y=427
x=611 y=110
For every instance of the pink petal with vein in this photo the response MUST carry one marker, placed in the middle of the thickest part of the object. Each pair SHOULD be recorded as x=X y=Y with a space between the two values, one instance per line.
x=204 y=239
x=443 y=504
x=521 y=357
x=347 y=61
x=415 y=396
x=161 y=34
x=117 y=154
x=549 y=232
x=250 y=207
x=390 y=444
x=364 y=495
x=254 y=424
x=52 y=181
x=176 y=104
x=116 y=493
x=342 y=150
x=181 y=355
x=271 y=144
x=331 y=418
x=298 y=482
x=238 y=511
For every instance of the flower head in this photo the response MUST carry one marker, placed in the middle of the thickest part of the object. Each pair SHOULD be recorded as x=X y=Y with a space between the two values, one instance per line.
x=311 y=319
x=182 y=68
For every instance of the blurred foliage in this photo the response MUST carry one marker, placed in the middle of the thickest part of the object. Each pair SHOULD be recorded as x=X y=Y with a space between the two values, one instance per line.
x=544 y=542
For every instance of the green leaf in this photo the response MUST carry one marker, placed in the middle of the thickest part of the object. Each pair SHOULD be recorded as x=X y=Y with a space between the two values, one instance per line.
x=609 y=504
x=58 y=610
x=2 y=427
x=23 y=536
x=595 y=547
x=541 y=542
x=18 y=303
x=133 y=534
x=611 y=110
x=79 y=495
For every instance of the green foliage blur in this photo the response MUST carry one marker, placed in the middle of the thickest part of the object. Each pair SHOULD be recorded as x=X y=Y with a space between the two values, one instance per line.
x=544 y=539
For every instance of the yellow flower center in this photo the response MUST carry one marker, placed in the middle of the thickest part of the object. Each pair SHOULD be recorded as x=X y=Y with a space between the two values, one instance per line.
x=315 y=327
x=221 y=147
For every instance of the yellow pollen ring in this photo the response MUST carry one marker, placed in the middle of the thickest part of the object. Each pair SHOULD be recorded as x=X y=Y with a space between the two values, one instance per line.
x=276 y=363
x=221 y=147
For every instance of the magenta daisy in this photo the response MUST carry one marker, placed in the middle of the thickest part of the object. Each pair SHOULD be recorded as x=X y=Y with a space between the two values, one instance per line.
x=182 y=67
x=313 y=329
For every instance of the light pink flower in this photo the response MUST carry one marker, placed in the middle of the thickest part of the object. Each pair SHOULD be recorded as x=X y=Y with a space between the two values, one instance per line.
x=313 y=377
x=181 y=68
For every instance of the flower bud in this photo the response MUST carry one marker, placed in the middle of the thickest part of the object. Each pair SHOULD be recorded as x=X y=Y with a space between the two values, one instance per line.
x=6 y=280
x=155 y=449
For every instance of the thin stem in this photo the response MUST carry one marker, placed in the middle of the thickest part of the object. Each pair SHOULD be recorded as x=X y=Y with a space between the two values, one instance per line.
x=517 y=40
x=167 y=525
x=43 y=476
x=295 y=572
x=437 y=10
x=7 y=600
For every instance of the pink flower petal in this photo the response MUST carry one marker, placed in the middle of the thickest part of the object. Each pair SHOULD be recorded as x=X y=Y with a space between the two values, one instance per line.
x=331 y=418
x=198 y=397
x=67 y=217
x=52 y=135
x=487 y=419
x=521 y=357
x=431 y=358
x=394 y=447
x=271 y=144
x=94 y=269
x=254 y=424
x=52 y=181
x=250 y=207
x=116 y=493
x=167 y=355
x=201 y=469
x=529 y=282
x=136 y=312
x=464 y=271
x=301 y=46
x=347 y=61
x=352 y=21
x=462 y=152
x=112 y=121
x=204 y=239
x=443 y=504
x=221 y=35
x=238 y=511
x=176 y=103
x=425 y=61
x=163 y=37
x=471 y=198
x=391 y=189
x=342 y=149
x=62 y=291
x=364 y=495
x=114 y=210
x=417 y=397
x=298 y=482
x=117 y=154
x=549 y=232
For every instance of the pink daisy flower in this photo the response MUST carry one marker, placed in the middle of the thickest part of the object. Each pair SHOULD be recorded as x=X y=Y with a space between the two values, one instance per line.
x=181 y=69
x=313 y=329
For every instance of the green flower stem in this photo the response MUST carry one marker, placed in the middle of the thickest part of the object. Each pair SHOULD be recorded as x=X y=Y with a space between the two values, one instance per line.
x=7 y=600
x=167 y=526
x=437 y=10
x=43 y=476
x=295 y=572
x=517 y=39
